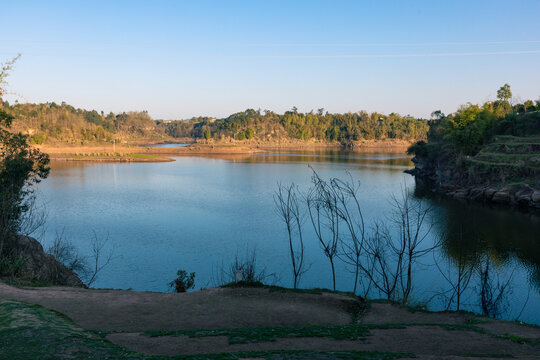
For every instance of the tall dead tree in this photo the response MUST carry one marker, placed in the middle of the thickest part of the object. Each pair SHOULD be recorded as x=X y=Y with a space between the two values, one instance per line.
x=322 y=204
x=288 y=209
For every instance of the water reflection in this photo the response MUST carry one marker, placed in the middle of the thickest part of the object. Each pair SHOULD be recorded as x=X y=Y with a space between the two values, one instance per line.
x=197 y=212
x=503 y=234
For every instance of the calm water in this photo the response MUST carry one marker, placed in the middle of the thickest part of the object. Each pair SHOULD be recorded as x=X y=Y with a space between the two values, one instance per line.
x=198 y=213
x=169 y=145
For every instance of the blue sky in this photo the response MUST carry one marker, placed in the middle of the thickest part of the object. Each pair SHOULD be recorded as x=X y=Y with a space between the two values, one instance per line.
x=179 y=59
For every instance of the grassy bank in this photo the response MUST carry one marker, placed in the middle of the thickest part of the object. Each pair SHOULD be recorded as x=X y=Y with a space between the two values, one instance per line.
x=33 y=332
x=243 y=322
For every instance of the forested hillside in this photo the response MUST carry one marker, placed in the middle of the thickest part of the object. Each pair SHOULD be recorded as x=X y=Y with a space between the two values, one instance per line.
x=53 y=123
x=267 y=125
x=63 y=123
x=487 y=152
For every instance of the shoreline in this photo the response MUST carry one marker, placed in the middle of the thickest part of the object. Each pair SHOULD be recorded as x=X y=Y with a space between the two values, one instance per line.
x=141 y=152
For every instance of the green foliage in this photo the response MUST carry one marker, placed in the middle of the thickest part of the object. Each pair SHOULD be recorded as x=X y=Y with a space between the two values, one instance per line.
x=472 y=127
x=292 y=124
x=249 y=133
x=63 y=123
x=207 y=134
x=20 y=167
x=39 y=138
x=183 y=281
x=241 y=135
x=266 y=334
x=504 y=93
x=11 y=264
x=5 y=68
x=468 y=127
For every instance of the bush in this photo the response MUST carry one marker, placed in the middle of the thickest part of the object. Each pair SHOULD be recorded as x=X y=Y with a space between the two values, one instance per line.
x=207 y=134
x=183 y=281
x=39 y=138
x=418 y=148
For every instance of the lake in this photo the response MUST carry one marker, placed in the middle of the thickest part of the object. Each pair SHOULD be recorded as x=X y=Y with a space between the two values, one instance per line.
x=199 y=213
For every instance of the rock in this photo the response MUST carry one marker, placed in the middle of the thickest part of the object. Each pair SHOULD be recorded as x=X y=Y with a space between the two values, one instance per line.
x=501 y=197
x=42 y=266
x=488 y=193
x=523 y=195
x=535 y=197
x=476 y=193
x=461 y=194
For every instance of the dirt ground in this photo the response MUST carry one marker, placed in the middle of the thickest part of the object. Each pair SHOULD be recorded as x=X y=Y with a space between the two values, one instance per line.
x=128 y=314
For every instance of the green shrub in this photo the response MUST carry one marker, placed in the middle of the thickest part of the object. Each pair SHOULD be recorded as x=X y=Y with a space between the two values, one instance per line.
x=183 y=281
x=39 y=138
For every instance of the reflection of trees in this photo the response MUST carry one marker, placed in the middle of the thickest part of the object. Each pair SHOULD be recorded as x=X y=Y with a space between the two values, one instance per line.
x=462 y=261
x=501 y=234
x=332 y=156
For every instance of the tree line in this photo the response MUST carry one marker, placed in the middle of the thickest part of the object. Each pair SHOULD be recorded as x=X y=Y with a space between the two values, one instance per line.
x=464 y=132
x=51 y=122
x=320 y=125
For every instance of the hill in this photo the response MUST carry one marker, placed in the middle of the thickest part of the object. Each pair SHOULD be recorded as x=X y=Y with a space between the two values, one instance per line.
x=489 y=153
x=52 y=123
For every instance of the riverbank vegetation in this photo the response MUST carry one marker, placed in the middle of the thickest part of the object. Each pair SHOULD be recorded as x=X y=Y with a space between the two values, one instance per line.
x=320 y=125
x=51 y=123
x=496 y=145
x=20 y=168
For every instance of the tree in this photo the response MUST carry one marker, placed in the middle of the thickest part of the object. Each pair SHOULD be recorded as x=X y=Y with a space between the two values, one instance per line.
x=20 y=168
x=241 y=135
x=504 y=93
x=322 y=203
x=350 y=212
x=390 y=261
x=207 y=134
x=437 y=115
x=288 y=209
x=249 y=133
x=466 y=128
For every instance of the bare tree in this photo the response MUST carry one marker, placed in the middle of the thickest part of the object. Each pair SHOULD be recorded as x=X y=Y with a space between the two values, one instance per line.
x=288 y=209
x=459 y=279
x=65 y=252
x=493 y=291
x=350 y=212
x=322 y=204
x=243 y=269
x=411 y=216
x=87 y=268
x=389 y=262
x=98 y=258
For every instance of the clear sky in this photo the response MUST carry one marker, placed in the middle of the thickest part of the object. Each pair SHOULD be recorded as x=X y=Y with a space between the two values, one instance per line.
x=179 y=59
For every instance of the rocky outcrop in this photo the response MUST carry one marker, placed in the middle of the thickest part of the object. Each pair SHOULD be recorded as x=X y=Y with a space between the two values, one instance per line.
x=460 y=182
x=41 y=266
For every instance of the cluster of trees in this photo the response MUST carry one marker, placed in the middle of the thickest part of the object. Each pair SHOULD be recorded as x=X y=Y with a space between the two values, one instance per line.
x=381 y=257
x=267 y=125
x=63 y=123
x=384 y=256
x=51 y=122
x=20 y=167
x=472 y=126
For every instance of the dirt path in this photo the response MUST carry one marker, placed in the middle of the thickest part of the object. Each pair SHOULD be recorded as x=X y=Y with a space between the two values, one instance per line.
x=284 y=316
x=133 y=311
